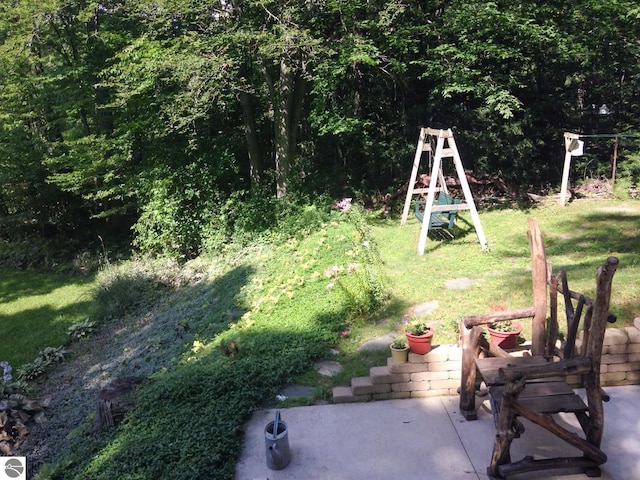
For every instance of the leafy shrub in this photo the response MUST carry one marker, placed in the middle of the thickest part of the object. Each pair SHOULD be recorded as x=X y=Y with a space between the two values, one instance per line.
x=169 y=227
x=418 y=328
x=629 y=170
x=81 y=329
x=175 y=203
x=59 y=254
x=399 y=342
x=136 y=283
x=361 y=279
x=243 y=218
x=502 y=326
x=44 y=360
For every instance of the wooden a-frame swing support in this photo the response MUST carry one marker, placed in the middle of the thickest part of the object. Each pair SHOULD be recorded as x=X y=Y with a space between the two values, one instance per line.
x=451 y=151
x=572 y=148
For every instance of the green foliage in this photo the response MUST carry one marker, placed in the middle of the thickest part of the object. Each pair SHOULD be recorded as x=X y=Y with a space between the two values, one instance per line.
x=263 y=316
x=58 y=254
x=47 y=357
x=36 y=310
x=629 y=165
x=244 y=218
x=80 y=330
x=123 y=289
x=399 y=342
x=362 y=279
x=291 y=319
x=418 y=328
x=502 y=326
x=163 y=115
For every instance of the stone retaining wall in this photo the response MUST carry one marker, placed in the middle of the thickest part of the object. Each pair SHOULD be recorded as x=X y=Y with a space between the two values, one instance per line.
x=621 y=356
x=438 y=372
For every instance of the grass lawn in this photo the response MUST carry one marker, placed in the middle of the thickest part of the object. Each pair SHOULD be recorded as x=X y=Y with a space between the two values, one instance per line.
x=36 y=309
x=578 y=237
x=296 y=299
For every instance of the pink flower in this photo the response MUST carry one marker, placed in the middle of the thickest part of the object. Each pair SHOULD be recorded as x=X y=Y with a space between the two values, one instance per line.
x=352 y=267
x=344 y=333
x=344 y=205
x=331 y=271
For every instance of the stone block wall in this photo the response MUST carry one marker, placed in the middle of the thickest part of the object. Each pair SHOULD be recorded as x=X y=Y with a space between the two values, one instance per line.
x=438 y=372
x=621 y=356
x=433 y=374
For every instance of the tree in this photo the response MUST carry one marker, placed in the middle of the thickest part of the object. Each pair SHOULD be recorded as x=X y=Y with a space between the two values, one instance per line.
x=167 y=113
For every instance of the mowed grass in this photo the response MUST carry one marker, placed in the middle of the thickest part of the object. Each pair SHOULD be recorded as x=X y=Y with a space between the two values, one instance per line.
x=293 y=313
x=578 y=237
x=36 y=309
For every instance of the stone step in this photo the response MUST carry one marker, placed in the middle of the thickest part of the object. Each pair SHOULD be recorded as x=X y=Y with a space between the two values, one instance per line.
x=439 y=371
x=345 y=395
x=382 y=375
x=365 y=386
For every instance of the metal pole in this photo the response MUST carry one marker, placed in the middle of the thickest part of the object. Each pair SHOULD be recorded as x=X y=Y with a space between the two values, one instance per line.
x=615 y=161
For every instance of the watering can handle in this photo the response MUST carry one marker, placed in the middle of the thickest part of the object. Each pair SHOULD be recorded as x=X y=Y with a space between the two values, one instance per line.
x=275 y=424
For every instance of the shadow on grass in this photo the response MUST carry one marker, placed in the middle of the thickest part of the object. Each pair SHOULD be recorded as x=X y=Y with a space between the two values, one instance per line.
x=26 y=333
x=600 y=232
x=189 y=415
x=36 y=310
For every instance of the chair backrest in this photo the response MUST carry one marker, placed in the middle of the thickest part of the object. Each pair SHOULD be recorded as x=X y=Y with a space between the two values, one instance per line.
x=547 y=286
x=596 y=325
x=540 y=272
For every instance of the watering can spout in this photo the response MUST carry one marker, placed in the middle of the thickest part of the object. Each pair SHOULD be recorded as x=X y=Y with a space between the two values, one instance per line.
x=276 y=457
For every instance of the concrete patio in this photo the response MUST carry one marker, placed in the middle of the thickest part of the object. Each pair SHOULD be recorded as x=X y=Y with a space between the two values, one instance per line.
x=424 y=438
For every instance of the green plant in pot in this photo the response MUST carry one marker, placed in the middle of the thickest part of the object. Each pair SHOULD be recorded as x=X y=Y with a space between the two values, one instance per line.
x=504 y=333
x=399 y=350
x=419 y=335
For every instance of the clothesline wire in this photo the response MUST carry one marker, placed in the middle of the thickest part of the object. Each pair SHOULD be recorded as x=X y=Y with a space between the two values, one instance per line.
x=611 y=135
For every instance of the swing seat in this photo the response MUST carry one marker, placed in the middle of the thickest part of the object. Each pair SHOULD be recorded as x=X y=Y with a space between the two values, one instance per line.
x=445 y=219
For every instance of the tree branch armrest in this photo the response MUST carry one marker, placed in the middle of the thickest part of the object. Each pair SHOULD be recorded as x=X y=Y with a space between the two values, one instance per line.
x=487 y=318
x=574 y=366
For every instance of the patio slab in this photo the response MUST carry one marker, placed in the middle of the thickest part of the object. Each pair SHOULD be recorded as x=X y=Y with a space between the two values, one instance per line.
x=423 y=438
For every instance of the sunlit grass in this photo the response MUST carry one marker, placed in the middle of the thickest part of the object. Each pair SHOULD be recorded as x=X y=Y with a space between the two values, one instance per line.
x=36 y=310
x=578 y=237
x=283 y=305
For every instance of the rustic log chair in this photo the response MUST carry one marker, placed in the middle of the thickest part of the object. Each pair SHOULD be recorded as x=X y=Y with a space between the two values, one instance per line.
x=534 y=386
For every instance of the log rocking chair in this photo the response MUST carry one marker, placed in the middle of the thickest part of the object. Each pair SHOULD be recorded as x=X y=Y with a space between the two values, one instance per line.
x=535 y=386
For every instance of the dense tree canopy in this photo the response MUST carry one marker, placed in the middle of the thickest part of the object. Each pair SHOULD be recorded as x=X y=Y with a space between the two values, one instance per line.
x=176 y=116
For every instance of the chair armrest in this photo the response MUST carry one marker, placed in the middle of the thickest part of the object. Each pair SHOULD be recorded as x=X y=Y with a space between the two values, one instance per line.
x=573 y=366
x=486 y=318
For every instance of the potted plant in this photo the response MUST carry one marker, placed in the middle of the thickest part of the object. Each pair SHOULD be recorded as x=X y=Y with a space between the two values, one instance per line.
x=504 y=333
x=419 y=336
x=399 y=350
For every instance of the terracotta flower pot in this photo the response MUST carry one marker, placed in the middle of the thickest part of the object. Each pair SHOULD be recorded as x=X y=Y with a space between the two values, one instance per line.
x=400 y=355
x=420 y=344
x=505 y=340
